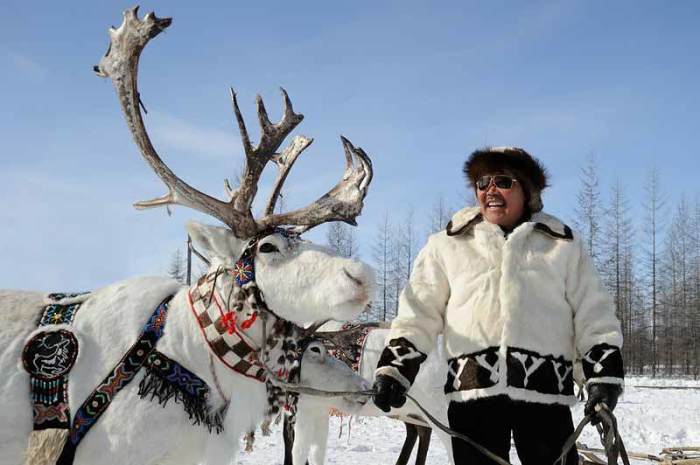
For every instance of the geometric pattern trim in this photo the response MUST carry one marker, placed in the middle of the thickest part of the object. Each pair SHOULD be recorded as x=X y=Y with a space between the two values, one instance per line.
x=221 y=328
x=349 y=351
x=401 y=355
x=476 y=370
x=545 y=374
x=525 y=369
x=124 y=371
x=603 y=361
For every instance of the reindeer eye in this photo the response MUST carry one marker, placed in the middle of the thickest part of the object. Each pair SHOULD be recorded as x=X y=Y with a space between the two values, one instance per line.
x=268 y=248
x=315 y=349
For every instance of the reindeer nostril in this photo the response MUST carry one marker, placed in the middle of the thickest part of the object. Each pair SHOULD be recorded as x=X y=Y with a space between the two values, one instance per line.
x=352 y=278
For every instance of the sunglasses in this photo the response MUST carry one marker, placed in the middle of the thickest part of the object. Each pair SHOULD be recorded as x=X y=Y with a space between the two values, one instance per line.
x=500 y=180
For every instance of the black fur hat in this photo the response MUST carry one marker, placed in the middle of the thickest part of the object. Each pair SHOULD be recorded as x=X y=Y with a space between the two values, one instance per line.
x=526 y=168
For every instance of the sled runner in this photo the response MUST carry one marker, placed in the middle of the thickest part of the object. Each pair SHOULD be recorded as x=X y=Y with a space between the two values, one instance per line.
x=684 y=455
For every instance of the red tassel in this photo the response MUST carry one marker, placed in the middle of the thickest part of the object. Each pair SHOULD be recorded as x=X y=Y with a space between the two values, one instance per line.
x=229 y=321
x=250 y=321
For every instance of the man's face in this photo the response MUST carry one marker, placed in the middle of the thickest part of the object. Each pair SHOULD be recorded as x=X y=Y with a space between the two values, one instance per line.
x=501 y=206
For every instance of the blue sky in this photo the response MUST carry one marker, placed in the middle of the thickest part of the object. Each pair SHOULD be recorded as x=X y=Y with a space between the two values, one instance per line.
x=418 y=85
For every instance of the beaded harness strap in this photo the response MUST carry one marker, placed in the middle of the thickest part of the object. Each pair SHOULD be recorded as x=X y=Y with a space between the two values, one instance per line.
x=48 y=358
x=97 y=402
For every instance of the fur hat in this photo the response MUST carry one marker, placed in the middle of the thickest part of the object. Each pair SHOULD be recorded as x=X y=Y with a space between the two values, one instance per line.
x=516 y=161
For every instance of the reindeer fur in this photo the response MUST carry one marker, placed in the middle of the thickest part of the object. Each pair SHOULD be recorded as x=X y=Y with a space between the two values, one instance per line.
x=296 y=284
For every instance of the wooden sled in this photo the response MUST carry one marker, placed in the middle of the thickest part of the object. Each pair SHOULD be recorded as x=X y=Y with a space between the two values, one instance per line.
x=684 y=455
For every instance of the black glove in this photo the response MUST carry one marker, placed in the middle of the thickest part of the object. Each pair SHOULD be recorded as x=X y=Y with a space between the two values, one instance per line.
x=601 y=392
x=388 y=392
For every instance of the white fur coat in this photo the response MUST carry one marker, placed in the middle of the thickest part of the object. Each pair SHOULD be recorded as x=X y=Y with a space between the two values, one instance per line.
x=515 y=312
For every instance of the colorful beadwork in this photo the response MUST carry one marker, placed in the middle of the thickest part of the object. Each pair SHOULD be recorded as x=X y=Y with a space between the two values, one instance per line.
x=121 y=375
x=243 y=271
x=48 y=358
x=58 y=314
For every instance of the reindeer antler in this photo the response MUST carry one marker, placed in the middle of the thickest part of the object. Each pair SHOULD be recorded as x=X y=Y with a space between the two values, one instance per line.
x=343 y=202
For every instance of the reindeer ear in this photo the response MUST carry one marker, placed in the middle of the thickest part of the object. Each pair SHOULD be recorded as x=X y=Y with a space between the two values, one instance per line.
x=214 y=240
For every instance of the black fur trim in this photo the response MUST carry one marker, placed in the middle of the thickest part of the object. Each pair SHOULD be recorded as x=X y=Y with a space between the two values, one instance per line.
x=525 y=369
x=470 y=371
x=451 y=232
x=546 y=374
x=402 y=355
x=155 y=387
x=568 y=234
x=603 y=361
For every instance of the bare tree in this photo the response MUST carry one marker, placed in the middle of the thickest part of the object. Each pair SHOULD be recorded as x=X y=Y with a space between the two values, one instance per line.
x=342 y=239
x=653 y=205
x=177 y=268
x=409 y=241
x=440 y=215
x=382 y=255
x=397 y=272
x=587 y=211
x=617 y=259
x=695 y=286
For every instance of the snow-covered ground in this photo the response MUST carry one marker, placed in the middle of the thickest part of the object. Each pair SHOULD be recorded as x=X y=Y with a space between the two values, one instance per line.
x=649 y=420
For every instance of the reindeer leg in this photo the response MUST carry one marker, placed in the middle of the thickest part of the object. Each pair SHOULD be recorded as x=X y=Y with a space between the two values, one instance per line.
x=423 y=444
x=288 y=434
x=409 y=442
x=310 y=432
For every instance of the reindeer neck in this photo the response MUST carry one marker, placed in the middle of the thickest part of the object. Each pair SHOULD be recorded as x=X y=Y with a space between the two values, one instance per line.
x=231 y=323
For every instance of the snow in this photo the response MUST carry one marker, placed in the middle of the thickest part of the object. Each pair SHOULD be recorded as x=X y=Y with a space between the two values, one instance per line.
x=649 y=420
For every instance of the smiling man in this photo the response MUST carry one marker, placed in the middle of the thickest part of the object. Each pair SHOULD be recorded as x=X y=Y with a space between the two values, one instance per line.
x=518 y=300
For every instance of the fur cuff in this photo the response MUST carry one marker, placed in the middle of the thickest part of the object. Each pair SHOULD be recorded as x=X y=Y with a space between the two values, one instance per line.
x=401 y=360
x=603 y=361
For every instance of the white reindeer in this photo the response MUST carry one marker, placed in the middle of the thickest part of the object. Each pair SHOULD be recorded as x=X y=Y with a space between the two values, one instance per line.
x=311 y=427
x=287 y=279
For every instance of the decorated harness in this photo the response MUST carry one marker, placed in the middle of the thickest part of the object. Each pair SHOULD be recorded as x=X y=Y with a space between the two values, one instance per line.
x=50 y=354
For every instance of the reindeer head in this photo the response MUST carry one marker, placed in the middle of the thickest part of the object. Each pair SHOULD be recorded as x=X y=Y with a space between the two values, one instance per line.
x=321 y=370
x=302 y=282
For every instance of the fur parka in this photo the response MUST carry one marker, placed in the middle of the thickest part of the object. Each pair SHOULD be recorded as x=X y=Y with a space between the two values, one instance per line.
x=515 y=312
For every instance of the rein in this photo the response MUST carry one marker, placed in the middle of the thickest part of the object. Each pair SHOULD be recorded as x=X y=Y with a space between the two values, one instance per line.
x=609 y=434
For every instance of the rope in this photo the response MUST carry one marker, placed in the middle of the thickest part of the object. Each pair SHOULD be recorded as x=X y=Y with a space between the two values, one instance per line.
x=609 y=436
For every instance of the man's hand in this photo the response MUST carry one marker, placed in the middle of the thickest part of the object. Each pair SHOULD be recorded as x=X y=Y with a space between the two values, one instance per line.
x=388 y=392
x=601 y=392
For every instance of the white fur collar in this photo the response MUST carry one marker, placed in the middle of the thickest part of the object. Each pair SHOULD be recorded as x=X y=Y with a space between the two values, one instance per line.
x=465 y=219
